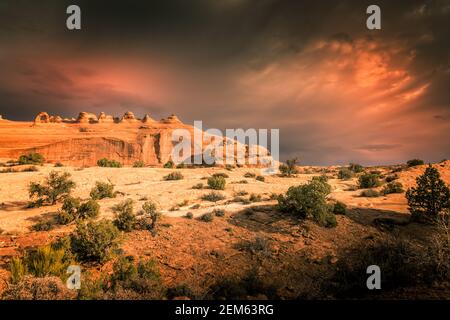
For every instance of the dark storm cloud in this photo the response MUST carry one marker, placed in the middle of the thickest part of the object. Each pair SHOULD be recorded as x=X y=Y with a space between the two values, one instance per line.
x=337 y=91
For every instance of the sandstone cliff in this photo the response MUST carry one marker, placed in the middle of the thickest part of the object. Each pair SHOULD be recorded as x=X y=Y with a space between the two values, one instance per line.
x=82 y=142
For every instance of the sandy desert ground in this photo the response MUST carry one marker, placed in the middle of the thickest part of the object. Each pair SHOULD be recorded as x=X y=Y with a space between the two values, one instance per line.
x=197 y=253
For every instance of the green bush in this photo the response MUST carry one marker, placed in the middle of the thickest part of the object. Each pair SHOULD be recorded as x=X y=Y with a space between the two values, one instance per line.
x=322 y=178
x=369 y=193
x=356 y=168
x=221 y=174
x=189 y=215
x=102 y=190
x=414 y=162
x=368 y=180
x=56 y=187
x=59 y=165
x=430 y=198
x=69 y=210
x=72 y=209
x=41 y=262
x=255 y=197
x=392 y=178
x=198 y=186
x=89 y=209
x=219 y=212
x=94 y=241
x=289 y=168
x=139 y=164
x=109 y=163
x=151 y=211
x=249 y=175
x=31 y=158
x=260 y=178
x=345 y=174
x=125 y=219
x=207 y=217
x=309 y=201
x=392 y=187
x=339 y=208
x=213 y=196
x=169 y=164
x=216 y=182
x=174 y=176
x=43 y=226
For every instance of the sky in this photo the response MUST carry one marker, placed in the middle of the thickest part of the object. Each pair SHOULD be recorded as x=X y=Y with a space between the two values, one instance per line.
x=337 y=91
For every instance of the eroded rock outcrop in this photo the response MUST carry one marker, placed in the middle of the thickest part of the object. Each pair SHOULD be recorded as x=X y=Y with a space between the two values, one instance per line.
x=87 y=117
x=82 y=142
x=105 y=118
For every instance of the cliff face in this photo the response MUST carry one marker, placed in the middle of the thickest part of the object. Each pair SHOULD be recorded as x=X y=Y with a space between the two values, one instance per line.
x=84 y=141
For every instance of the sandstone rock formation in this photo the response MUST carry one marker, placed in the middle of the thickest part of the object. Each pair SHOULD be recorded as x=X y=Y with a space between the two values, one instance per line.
x=128 y=117
x=87 y=117
x=84 y=141
x=105 y=118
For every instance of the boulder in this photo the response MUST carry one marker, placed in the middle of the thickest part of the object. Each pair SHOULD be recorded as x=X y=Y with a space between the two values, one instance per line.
x=105 y=118
x=128 y=117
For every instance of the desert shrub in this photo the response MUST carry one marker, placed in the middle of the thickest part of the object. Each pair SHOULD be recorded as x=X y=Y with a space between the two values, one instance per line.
x=241 y=193
x=174 y=176
x=31 y=288
x=260 y=178
x=142 y=280
x=240 y=288
x=345 y=174
x=241 y=182
x=31 y=158
x=195 y=206
x=207 y=217
x=83 y=129
x=392 y=177
x=189 y=215
x=219 y=212
x=17 y=269
x=56 y=187
x=181 y=290
x=213 y=196
x=309 y=201
x=42 y=262
x=414 y=162
x=31 y=169
x=198 y=186
x=322 y=178
x=217 y=182
x=102 y=190
x=392 y=187
x=339 y=208
x=181 y=165
x=368 y=180
x=94 y=241
x=43 y=226
x=125 y=218
x=151 y=211
x=430 y=197
x=255 y=197
x=88 y=209
x=396 y=259
x=355 y=167
x=221 y=174
x=58 y=165
x=109 y=163
x=249 y=175
x=259 y=245
x=369 y=193
x=169 y=164
x=240 y=199
x=229 y=167
x=139 y=164
x=130 y=280
x=69 y=210
x=289 y=168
